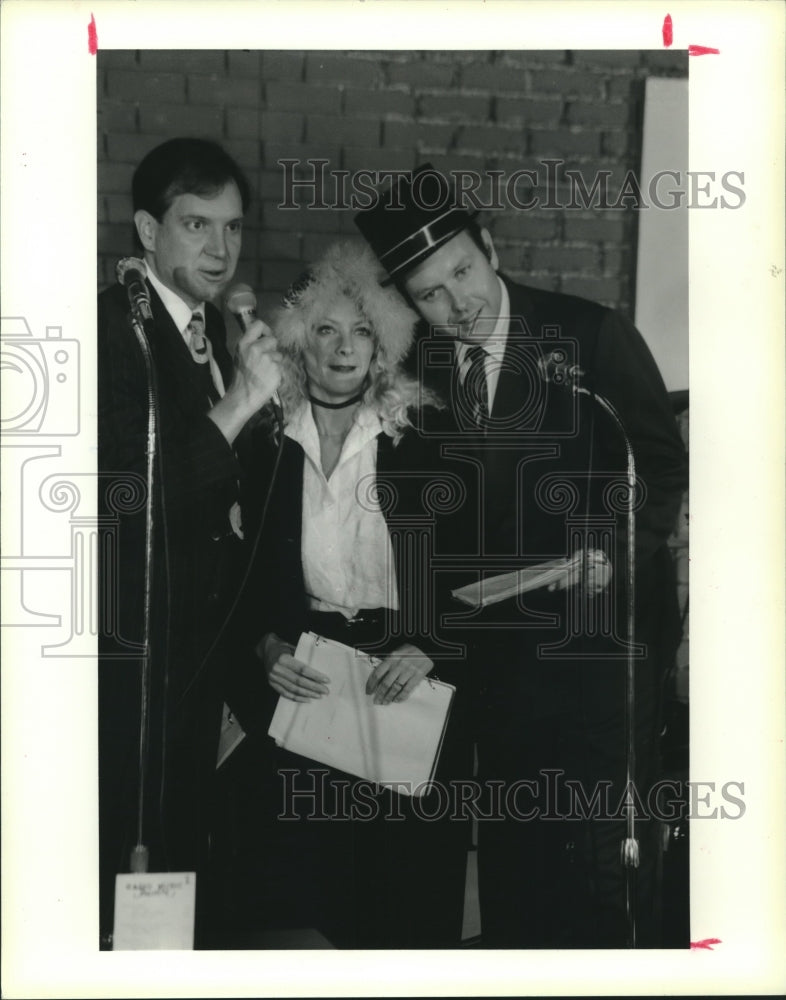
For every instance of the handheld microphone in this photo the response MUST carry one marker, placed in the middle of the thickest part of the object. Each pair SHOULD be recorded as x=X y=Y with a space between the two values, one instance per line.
x=242 y=303
x=131 y=273
x=555 y=369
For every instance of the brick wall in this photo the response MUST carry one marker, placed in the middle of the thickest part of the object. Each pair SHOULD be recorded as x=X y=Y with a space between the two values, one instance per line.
x=481 y=111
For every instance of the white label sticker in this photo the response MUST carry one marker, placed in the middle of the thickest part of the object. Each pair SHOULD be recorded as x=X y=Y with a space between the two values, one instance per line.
x=154 y=910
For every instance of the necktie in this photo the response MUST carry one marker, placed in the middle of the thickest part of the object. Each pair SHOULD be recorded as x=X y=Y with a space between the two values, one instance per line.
x=196 y=339
x=475 y=388
x=202 y=352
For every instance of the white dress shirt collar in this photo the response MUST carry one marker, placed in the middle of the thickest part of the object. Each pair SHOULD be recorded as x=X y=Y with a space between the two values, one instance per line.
x=180 y=312
x=303 y=429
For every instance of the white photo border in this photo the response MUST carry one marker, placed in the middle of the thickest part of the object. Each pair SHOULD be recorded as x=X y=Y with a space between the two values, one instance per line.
x=738 y=868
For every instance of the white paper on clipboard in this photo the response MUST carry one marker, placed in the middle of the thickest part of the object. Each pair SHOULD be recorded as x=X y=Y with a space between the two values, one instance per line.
x=493 y=589
x=397 y=745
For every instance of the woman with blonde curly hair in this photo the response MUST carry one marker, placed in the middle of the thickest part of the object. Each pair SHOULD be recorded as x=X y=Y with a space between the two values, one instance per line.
x=327 y=564
x=348 y=275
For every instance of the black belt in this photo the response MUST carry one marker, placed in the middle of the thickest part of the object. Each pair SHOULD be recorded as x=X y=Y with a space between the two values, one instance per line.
x=369 y=627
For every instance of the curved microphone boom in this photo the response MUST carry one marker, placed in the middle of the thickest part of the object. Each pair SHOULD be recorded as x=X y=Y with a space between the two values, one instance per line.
x=242 y=303
x=131 y=273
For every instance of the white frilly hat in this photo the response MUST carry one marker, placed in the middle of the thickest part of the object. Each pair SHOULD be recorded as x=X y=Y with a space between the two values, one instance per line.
x=347 y=269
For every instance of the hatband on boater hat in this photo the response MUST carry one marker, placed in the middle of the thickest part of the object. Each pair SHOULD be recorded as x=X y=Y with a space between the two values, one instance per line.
x=413 y=220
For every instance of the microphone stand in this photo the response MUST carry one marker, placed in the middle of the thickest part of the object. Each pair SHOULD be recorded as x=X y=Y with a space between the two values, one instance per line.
x=139 y=854
x=629 y=848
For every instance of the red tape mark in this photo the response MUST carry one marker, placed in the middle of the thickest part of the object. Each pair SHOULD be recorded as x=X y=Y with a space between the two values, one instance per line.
x=668 y=31
x=705 y=943
x=92 y=37
x=702 y=50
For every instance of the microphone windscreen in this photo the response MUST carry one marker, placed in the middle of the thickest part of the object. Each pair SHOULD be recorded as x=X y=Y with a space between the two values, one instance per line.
x=241 y=298
x=126 y=267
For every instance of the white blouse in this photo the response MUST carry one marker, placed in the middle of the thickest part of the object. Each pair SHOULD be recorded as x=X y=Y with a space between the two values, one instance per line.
x=345 y=548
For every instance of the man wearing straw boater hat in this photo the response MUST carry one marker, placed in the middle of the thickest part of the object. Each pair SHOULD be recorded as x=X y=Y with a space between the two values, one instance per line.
x=555 y=404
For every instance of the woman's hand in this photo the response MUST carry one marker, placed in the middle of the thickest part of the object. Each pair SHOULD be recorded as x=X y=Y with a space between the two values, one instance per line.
x=286 y=675
x=396 y=676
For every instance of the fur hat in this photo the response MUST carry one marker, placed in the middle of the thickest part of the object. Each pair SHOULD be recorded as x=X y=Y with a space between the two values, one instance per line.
x=351 y=270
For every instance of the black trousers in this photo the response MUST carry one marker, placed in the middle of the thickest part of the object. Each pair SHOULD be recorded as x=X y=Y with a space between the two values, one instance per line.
x=552 y=765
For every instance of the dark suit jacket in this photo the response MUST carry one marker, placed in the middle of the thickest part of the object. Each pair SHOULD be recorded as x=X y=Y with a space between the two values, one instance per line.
x=545 y=469
x=195 y=559
x=531 y=421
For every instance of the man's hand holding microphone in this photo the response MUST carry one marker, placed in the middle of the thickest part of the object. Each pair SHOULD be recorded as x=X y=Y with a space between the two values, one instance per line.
x=257 y=367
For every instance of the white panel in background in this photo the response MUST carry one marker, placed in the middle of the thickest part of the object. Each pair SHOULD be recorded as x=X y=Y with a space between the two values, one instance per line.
x=662 y=269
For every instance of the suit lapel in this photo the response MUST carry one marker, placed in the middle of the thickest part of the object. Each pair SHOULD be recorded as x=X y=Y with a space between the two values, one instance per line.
x=519 y=406
x=517 y=378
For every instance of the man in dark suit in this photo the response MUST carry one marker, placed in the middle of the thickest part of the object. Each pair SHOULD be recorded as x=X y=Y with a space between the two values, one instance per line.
x=189 y=198
x=546 y=473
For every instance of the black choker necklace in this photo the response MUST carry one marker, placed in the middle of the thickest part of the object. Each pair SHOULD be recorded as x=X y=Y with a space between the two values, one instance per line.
x=336 y=406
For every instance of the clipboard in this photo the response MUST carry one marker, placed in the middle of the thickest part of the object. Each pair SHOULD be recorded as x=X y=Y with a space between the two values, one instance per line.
x=395 y=745
x=493 y=589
